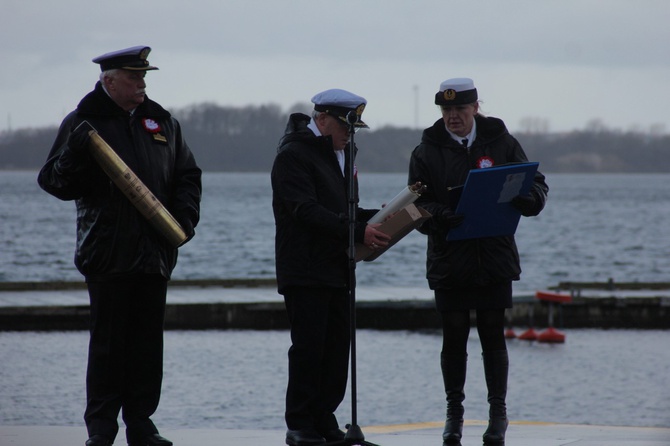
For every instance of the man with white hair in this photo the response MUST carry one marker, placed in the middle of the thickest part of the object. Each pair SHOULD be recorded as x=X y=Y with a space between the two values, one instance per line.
x=126 y=262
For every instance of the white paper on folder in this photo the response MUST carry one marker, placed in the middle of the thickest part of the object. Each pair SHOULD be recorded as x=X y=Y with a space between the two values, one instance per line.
x=405 y=197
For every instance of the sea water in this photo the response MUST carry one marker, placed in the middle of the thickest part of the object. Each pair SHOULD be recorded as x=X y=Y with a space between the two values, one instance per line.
x=237 y=379
x=594 y=227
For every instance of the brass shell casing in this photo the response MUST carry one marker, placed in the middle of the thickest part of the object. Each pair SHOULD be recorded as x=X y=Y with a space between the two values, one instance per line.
x=135 y=190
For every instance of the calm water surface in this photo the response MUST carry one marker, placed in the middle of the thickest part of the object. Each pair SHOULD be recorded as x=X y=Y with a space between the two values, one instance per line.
x=237 y=379
x=594 y=227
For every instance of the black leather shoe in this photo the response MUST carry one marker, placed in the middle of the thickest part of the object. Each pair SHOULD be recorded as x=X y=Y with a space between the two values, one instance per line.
x=303 y=437
x=98 y=440
x=332 y=435
x=150 y=440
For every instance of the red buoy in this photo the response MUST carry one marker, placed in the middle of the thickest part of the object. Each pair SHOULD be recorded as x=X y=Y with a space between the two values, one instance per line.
x=509 y=334
x=551 y=335
x=528 y=335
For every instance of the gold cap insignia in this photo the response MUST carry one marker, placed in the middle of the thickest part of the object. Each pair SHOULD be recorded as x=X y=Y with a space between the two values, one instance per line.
x=450 y=94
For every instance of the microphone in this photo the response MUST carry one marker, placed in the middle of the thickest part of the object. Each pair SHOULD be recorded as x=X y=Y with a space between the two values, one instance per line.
x=352 y=117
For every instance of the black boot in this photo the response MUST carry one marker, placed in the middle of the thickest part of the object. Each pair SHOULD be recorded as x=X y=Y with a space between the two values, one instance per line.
x=496 y=366
x=453 y=373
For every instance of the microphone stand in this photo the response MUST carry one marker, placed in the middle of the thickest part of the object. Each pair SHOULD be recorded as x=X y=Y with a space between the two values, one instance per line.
x=354 y=435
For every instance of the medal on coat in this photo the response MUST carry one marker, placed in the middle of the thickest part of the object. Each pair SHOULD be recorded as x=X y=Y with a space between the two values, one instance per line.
x=154 y=128
x=150 y=125
x=484 y=162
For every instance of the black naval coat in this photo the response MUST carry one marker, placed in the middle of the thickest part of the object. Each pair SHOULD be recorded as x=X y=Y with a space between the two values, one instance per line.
x=310 y=202
x=113 y=238
x=443 y=165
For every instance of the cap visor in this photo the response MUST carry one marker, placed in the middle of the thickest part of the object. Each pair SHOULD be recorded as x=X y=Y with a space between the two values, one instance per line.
x=147 y=68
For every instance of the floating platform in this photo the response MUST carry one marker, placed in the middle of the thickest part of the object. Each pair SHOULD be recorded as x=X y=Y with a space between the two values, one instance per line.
x=420 y=434
x=255 y=305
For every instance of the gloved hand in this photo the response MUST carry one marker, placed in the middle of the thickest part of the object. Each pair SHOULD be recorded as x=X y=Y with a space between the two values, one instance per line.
x=527 y=204
x=448 y=220
x=79 y=140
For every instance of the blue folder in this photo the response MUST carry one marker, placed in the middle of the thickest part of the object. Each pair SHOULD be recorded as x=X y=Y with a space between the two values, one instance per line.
x=485 y=200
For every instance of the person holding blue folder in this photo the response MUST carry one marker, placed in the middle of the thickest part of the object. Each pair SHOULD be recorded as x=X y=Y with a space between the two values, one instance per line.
x=475 y=273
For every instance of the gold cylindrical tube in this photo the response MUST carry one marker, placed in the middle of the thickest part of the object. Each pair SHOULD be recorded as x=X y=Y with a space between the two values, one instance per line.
x=134 y=189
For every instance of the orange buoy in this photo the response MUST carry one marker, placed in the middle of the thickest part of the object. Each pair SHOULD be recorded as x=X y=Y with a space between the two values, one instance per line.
x=528 y=335
x=551 y=335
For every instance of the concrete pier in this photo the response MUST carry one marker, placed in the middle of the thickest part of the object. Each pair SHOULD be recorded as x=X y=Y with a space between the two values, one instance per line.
x=421 y=434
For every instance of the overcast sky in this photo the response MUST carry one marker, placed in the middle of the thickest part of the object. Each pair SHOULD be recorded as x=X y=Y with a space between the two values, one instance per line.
x=564 y=62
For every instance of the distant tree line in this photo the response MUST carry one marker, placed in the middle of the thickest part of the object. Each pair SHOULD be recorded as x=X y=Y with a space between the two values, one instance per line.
x=244 y=139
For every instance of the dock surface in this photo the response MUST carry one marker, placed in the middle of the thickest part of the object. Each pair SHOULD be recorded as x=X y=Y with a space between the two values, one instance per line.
x=421 y=434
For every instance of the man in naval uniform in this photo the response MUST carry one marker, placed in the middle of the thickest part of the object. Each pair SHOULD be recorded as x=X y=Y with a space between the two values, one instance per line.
x=310 y=180
x=125 y=261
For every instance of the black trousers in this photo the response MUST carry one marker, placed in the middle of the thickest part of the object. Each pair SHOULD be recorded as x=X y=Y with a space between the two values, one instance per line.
x=318 y=359
x=125 y=356
x=456 y=330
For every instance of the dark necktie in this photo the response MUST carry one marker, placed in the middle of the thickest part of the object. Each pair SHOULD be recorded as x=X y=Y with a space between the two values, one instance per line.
x=465 y=142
